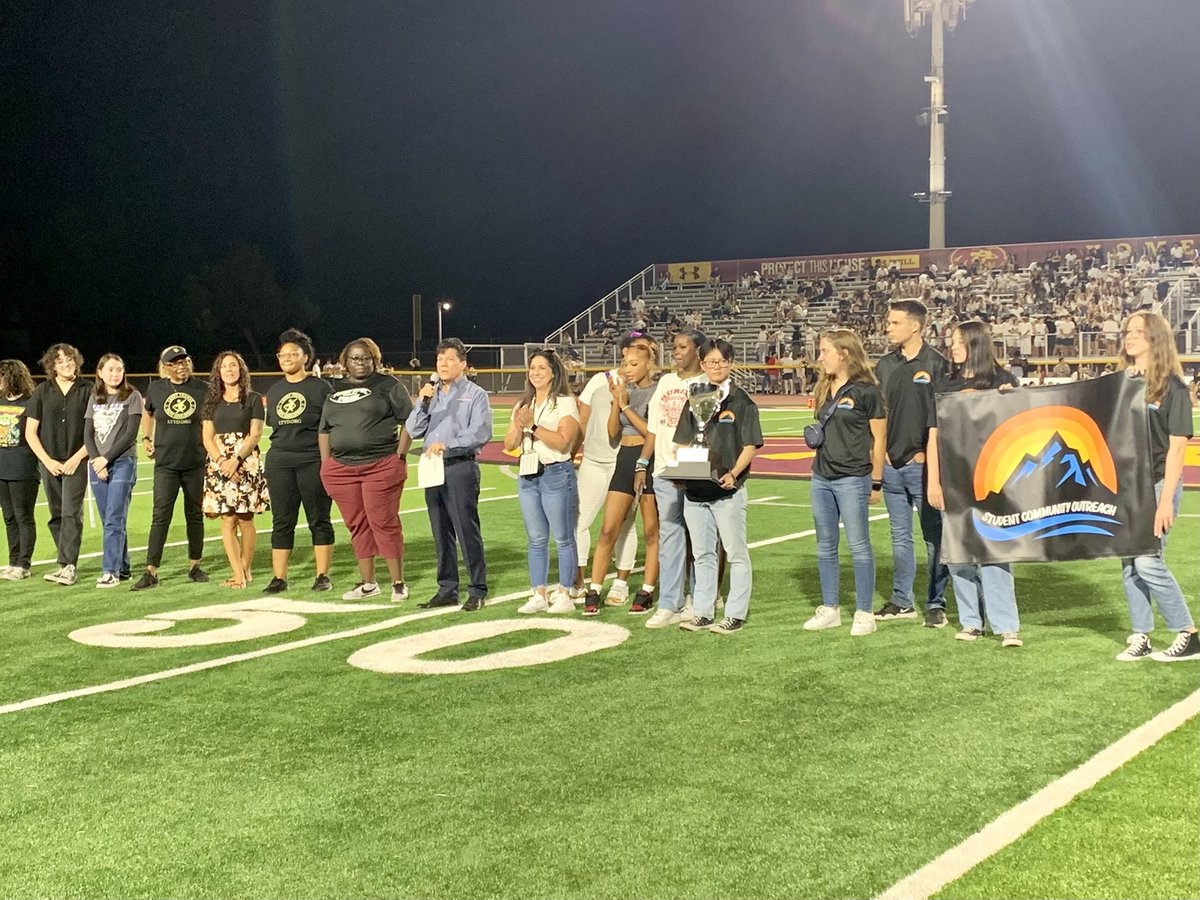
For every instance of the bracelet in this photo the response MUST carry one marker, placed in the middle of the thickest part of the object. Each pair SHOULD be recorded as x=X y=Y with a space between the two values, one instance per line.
x=877 y=485
x=625 y=407
x=642 y=463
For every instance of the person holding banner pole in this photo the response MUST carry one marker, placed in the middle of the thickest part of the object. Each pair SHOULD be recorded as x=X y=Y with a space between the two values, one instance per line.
x=1149 y=350
x=847 y=474
x=980 y=590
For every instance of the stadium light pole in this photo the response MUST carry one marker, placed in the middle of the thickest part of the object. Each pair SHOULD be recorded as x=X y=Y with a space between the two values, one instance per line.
x=941 y=14
x=443 y=306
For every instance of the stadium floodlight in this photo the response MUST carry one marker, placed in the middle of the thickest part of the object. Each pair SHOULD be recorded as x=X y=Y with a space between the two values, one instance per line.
x=443 y=306
x=940 y=15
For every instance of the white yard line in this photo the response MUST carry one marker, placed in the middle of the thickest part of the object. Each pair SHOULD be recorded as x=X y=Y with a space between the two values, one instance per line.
x=1012 y=824
x=217 y=537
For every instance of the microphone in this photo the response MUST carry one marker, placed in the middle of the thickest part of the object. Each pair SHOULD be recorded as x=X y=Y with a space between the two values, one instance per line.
x=435 y=381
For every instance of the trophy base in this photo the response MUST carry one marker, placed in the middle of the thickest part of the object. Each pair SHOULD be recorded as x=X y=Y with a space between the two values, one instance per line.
x=690 y=470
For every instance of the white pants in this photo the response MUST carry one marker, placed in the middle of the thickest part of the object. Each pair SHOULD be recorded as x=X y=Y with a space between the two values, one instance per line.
x=593 y=491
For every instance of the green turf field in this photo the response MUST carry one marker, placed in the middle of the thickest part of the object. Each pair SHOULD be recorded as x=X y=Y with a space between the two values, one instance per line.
x=772 y=763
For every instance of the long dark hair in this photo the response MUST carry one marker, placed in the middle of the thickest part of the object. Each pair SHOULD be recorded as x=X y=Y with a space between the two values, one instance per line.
x=980 y=368
x=560 y=386
x=216 y=387
x=15 y=378
x=100 y=392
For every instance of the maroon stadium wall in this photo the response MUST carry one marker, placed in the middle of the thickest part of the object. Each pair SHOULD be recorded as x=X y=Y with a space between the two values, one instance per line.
x=912 y=261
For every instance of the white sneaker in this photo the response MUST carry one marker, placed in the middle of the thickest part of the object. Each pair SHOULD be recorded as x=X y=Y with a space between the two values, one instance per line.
x=55 y=575
x=664 y=618
x=577 y=594
x=536 y=604
x=66 y=576
x=560 y=602
x=362 y=591
x=399 y=591
x=618 y=594
x=824 y=617
x=108 y=580
x=864 y=623
x=4 y=571
x=15 y=573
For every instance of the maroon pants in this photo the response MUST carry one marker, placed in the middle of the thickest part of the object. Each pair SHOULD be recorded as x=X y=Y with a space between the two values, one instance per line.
x=368 y=497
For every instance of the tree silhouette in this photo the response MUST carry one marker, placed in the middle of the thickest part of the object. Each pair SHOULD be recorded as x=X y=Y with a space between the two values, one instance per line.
x=238 y=302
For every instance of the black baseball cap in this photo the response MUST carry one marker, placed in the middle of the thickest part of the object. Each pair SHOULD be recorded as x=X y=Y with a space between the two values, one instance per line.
x=174 y=353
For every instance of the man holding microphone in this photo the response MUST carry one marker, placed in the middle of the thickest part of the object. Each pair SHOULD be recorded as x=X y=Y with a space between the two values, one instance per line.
x=454 y=417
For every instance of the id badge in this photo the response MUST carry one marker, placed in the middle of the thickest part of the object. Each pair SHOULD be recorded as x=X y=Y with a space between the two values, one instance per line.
x=529 y=464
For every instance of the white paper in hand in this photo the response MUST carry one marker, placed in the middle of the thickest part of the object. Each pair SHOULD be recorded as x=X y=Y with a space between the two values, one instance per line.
x=431 y=470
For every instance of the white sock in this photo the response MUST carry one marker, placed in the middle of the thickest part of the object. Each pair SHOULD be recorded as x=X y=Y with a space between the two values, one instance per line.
x=596 y=587
x=648 y=588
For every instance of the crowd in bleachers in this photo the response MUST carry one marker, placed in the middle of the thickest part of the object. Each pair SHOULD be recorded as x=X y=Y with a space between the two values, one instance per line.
x=1066 y=303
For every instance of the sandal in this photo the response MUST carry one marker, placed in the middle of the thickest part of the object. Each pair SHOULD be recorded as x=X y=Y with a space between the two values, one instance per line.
x=233 y=583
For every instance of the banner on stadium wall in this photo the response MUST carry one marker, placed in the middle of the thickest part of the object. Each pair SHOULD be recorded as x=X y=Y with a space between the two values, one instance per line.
x=910 y=262
x=1047 y=474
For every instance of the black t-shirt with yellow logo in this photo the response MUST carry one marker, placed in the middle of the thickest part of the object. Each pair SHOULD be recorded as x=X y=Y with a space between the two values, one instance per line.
x=176 y=412
x=294 y=413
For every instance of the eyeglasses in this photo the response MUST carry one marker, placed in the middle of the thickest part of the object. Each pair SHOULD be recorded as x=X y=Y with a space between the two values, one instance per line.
x=360 y=359
x=717 y=363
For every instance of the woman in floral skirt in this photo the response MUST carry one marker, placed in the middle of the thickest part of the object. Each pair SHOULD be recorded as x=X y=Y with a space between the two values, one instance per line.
x=235 y=488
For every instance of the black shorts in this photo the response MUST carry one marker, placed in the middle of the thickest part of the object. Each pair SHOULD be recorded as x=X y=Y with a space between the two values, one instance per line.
x=622 y=480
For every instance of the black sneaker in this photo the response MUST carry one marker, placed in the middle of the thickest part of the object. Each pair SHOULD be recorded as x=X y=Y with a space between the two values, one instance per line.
x=1137 y=647
x=935 y=617
x=124 y=576
x=276 y=586
x=146 y=581
x=322 y=583
x=197 y=575
x=697 y=623
x=473 y=604
x=1185 y=646
x=643 y=602
x=890 y=610
x=728 y=626
x=591 y=603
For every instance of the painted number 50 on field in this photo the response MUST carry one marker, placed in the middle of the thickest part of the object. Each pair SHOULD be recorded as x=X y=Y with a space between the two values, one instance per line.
x=265 y=617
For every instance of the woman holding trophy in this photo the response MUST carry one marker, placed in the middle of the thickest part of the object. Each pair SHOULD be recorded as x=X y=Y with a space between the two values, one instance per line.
x=715 y=508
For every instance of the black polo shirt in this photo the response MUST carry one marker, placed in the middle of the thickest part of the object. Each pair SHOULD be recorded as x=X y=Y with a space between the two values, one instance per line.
x=847 y=449
x=908 y=386
x=1170 y=416
x=176 y=412
x=294 y=414
x=60 y=416
x=734 y=428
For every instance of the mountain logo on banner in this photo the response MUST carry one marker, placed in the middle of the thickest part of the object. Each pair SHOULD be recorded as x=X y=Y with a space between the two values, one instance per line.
x=1044 y=473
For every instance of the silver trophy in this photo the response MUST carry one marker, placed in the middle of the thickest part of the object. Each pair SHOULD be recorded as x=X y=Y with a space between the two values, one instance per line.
x=696 y=462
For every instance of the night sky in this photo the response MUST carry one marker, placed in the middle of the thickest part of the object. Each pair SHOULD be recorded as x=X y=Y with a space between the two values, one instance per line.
x=523 y=158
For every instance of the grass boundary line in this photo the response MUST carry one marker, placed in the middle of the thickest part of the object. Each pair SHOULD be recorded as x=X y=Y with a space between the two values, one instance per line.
x=1014 y=823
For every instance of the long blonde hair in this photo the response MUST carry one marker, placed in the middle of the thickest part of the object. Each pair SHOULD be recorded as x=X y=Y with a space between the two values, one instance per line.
x=1163 y=362
x=857 y=368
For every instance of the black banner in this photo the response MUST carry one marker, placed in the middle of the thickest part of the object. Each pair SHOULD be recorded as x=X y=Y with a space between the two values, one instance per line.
x=1044 y=474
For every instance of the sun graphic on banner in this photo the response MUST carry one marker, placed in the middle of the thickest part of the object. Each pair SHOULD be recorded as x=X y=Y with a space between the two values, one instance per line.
x=1028 y=440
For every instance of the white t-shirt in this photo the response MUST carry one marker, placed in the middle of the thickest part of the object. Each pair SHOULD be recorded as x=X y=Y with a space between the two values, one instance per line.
x=548 y=415
x=597 y=445
x=668 y=401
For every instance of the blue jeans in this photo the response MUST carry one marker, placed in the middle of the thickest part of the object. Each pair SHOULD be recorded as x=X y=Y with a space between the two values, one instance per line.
x=724 y=519
x=845 y=499
x=549 y=503
x=672 y=544
x=987 y=591
x=112 y=503
x=1148 y=576
x=904 y=488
